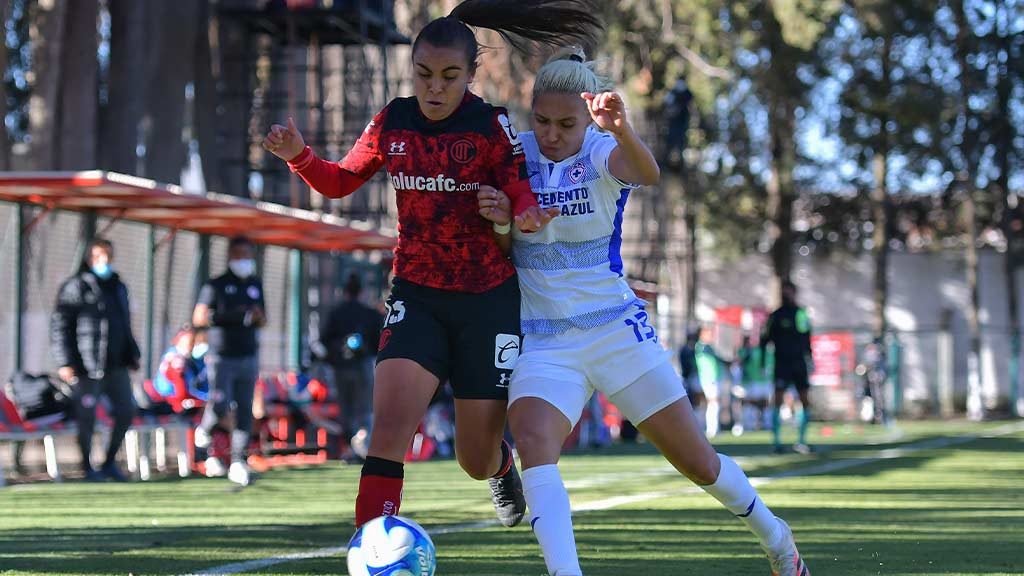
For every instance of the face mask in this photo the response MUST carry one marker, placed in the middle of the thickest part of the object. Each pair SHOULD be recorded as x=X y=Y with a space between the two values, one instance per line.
x=199 y=349
x=242 y=268
x=102 y=271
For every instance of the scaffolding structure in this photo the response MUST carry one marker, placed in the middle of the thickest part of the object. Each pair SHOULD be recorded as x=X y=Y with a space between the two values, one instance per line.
x=324 y=63
x=330 y=65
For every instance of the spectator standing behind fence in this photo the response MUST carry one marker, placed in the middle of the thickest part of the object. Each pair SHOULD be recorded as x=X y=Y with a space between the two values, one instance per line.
x=231 y=306
x=92 y=342
x=350 y=334
x=789 y=329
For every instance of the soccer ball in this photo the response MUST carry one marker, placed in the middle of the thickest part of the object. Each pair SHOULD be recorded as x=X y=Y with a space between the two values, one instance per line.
x=391 y=546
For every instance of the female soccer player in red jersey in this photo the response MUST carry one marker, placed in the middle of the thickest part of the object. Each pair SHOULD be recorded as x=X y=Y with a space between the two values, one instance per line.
x=454 y=304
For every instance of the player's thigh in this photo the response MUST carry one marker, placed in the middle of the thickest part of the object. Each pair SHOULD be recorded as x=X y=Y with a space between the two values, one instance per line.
x=413 y=331
x=782 y=384
x=658 y=403
x=479 y=428
x=485 y=344
x=802 y=383
x=401 y=395
x=546 y=401
x=803 y=390
x=613 y=355
x=539 y=429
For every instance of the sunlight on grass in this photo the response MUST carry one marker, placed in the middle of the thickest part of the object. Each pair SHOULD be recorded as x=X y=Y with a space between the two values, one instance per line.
x=942 y=511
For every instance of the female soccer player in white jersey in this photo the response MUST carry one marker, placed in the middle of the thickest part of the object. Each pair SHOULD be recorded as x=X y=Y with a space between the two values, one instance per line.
x=585 y=329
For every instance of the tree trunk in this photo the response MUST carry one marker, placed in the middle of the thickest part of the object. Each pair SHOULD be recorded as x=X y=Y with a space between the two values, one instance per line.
x=122 y=118
x=975 y=405
x=46 y=33
x=691 y=204
x=783 y=94
x=880 y=208
x=232 y=151
x=79 y=108
x=172 y=31
x=1004 y=146
x=206 y=101
x=5 y=140
x=781 y=193
x=880 y=202
x=970 y=152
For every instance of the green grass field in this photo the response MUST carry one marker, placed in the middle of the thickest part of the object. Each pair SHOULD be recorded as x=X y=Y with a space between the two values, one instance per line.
x=950 y=502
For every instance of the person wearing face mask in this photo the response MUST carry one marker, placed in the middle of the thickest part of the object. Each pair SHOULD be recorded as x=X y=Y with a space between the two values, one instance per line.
x=232 y=309
x=181 y=379
x=585 y=330
x=92 y=343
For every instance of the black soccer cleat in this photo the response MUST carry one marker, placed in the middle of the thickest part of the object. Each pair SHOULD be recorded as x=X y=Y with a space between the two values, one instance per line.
x=507 y=496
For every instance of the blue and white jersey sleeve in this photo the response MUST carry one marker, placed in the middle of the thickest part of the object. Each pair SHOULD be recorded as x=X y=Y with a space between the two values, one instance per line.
x=601 y=154
x=571 y=272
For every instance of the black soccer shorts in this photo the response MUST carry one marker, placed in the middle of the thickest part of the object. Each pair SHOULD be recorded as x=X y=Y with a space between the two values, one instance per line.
x=473 y=340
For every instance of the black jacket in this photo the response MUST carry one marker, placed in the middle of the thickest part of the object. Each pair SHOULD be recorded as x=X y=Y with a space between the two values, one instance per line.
x=230 y=300
x=80 y=326
x=347 y=318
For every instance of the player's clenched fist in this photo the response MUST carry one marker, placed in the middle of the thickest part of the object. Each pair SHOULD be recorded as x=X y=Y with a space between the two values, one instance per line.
x=285 y=142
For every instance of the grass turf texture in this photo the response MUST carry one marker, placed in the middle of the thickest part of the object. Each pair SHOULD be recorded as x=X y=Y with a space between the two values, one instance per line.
x=956 y=510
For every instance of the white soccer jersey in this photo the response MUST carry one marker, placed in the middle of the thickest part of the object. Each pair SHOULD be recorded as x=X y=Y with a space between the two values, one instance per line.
x=571 y=272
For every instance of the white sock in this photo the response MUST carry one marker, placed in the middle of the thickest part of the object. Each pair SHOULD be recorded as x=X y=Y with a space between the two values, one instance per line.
x=734 y=491
x=712 y=418
x=551 y=519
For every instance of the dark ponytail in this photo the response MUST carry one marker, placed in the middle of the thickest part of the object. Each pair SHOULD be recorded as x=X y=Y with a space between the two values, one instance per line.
x=522 y=23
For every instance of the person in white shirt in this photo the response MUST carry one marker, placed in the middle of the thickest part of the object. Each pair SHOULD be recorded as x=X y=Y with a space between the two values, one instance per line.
x=584 y=328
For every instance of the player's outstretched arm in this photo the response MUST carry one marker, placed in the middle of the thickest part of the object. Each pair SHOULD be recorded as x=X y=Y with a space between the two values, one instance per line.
x=631 y=161
x=285 y=142
x=327 y=178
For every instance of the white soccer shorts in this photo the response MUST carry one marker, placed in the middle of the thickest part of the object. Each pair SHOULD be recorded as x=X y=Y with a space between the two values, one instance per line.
x=565 y=369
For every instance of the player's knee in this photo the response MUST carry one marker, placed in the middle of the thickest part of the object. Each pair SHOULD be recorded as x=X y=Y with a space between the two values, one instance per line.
x=389 y=433
x=528 y=441
x=477 y=466
x=705 y=472
x=537 y=448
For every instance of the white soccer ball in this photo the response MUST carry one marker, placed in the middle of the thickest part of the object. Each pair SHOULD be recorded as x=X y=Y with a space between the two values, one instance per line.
x=391 y=546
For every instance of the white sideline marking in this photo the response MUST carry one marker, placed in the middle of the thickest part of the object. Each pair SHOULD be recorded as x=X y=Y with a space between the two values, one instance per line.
x=271 y=561
x=614 y=502
x=603 y=479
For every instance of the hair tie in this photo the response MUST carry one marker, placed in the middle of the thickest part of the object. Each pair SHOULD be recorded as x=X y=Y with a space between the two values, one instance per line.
x=576 y=58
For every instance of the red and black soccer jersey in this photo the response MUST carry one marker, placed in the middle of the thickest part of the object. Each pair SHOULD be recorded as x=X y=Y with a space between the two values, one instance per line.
x=436 y=168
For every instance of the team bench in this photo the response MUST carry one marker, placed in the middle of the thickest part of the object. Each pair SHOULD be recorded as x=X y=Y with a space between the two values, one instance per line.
x=146 y=428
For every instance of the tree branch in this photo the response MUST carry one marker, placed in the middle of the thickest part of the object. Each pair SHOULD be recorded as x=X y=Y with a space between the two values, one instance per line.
x=703 y=65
